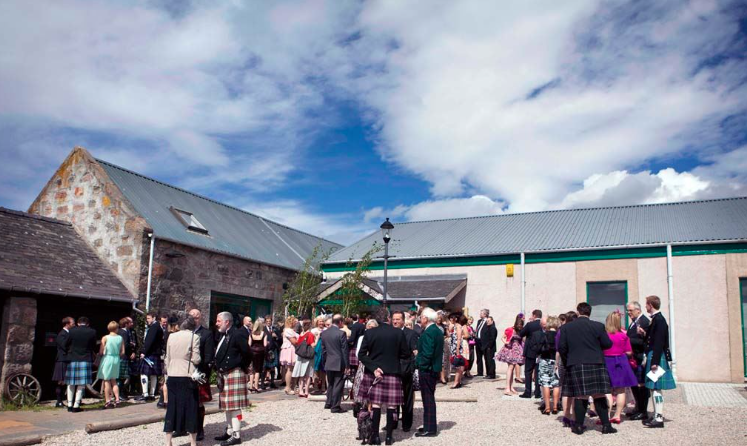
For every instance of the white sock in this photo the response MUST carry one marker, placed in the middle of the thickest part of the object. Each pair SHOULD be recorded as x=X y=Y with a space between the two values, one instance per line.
x=70 y=395
x=658 y=405
x=229 y=417
x=144 y=384
x=78 y=395
x=153 y=381
x=236 y=424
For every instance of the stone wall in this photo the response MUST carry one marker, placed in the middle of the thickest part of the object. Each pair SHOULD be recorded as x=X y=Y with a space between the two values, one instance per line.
x=17 y=335
x=184 y=277
x=81 y=192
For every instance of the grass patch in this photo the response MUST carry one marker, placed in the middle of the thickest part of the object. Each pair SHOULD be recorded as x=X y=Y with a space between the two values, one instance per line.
x=7 y=405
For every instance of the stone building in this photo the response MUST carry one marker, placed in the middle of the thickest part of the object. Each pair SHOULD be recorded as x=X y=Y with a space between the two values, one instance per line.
x=173 y=249
x=47 y=272
x=693 y=255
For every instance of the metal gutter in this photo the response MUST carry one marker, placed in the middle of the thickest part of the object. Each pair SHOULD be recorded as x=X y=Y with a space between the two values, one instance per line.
x=152 y=237
x=67 y=294
x=670 y=289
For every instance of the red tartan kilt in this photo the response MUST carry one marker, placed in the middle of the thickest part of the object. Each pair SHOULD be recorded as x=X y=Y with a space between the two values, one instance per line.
x=205 y=393
x=234 y=391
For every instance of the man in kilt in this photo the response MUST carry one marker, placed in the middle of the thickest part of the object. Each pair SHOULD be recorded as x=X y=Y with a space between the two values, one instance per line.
x=657 y=357
x=124 y=362
x=408 y=370
x=381 y=351
x=61 y=361
x=151 y=365
x=207 y=353
x=429 y=363
x=582 y=345
x=80 y=347
x=232 y=359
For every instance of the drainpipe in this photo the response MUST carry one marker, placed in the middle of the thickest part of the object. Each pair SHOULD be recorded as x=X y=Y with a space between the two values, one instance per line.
x=150 y=272
x=523 y=284
x=670 y=283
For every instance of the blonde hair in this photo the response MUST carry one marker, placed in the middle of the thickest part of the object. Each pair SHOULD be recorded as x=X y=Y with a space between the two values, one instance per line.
x=613 y=324
x=112 y=327
x=259 y=326
x=552 y=323
x=290 y=322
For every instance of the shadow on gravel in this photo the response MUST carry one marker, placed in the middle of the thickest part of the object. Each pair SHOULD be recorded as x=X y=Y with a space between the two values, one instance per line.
x=253 y=432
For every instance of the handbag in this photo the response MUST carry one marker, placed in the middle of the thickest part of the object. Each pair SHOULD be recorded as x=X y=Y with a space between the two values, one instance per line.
x=457 y=361
x=633 y=363
x=304 y=350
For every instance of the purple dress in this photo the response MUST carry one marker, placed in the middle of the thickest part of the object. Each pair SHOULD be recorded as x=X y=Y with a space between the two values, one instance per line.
x=618 y=366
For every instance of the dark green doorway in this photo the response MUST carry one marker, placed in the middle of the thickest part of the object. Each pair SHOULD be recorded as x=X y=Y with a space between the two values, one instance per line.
x=743 y=293
x=239 y=306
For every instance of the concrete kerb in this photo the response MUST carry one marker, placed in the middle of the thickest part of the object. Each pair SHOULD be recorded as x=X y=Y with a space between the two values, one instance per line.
x=439 y=399
x=25 y=441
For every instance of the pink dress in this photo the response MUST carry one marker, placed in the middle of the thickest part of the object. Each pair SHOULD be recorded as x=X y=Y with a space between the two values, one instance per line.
x=288 y=350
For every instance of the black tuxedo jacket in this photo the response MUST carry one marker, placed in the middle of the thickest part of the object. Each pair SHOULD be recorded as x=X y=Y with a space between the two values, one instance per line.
x=529 y=329
x=234 y=352
x=411 y=339
x=153 y=343
x=81 y=344
x=383 y=347
x=657 y=338
x=637 y=341
x=207 y=349
x=583 y=341
x=61 y=341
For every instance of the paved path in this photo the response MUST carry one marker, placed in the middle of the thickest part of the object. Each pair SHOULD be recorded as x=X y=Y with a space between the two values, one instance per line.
x=714 y=395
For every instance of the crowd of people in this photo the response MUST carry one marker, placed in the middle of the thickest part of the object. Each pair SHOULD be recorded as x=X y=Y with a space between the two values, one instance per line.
x=569 y=361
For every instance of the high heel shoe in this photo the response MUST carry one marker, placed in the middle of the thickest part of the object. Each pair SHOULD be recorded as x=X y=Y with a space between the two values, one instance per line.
x=555 y=411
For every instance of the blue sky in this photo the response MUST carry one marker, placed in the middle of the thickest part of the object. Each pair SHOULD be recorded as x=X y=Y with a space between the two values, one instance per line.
x=329 y=116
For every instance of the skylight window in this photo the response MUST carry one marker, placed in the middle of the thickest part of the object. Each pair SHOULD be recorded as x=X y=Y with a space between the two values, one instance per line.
x=189 y=220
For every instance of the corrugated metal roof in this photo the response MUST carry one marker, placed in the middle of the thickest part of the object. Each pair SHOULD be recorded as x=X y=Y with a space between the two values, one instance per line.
x=230 y=230
x=685 y=222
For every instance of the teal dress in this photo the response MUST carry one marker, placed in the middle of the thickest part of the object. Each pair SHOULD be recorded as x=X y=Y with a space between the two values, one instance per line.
x=109 y=365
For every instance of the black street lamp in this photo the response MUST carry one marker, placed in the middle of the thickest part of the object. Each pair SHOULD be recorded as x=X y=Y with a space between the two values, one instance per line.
x=386 y=231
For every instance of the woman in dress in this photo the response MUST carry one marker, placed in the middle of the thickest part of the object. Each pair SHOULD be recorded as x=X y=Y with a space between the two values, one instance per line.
x=288 y=353
x=258 y=347
x=512 y=353
x=618 y=364
x=172 y=327
x=471 y=341
x=112 y=348
x=443 y=324
x=182 y=356
x=548 y=373
x=303 y=370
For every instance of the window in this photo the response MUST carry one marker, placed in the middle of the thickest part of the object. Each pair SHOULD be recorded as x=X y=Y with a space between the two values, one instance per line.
x=189 y=220
x=606 y=297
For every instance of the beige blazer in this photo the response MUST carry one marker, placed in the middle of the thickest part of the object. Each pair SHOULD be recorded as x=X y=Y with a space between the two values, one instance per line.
x=178 y=351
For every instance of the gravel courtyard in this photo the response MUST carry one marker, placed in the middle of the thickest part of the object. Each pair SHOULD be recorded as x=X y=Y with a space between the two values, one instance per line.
x=494 y=419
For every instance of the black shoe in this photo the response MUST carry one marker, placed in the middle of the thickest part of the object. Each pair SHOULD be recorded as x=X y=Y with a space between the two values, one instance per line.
x=479 y=374
x=637 y=416
x=77 y=410
x=578 y=430
x=223 y=437
x=327 y=407
x=338 y=410
x=647 y=421
x=200 y=435
x=655 y=424
x=58 y=404
x=69 y=408
x=389 y=440
x=421 y=430
x=537 y=395
x=374 y=440
x=426 y=434
x=160 y=405
x=525 y=395
x=231 y=441
x=406 y=429
x=608 y=429
x=490 y=377
x=141 y=398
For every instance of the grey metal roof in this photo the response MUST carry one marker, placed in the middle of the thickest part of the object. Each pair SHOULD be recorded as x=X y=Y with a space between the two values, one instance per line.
x=230 y=230
x=655 y=224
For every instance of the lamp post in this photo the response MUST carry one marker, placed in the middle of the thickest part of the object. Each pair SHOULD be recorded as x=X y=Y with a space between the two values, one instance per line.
x=386 y=232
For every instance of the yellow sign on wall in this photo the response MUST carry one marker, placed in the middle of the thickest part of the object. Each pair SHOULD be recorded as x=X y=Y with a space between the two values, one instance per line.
x=510 y=270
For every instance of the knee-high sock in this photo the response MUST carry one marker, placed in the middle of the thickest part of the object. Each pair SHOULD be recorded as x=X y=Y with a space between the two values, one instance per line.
x=144 y=384
x=78 y=395
x=236 y=423
x=391 y=417
x=658 y=405
x=603 y=410
x=580 y=405
x=642 y=404
x=229 y=428
x=70 y=395
x=376 y=420
x=152 y=381
x=58 y=393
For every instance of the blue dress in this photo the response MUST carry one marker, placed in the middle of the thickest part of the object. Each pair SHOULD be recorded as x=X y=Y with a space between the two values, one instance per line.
x=109 y=365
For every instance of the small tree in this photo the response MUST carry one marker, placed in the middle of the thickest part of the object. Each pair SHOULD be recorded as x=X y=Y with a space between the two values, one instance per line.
x=350 y=291
x=300 y=297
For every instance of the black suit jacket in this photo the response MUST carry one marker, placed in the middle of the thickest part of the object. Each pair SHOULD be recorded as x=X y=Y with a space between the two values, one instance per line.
x=411 y=339
x=207 y=349
x=81 y=344
x=489 y=336
x=356 y=331
x=61 y=341
x=383 y=347
x=526 y=333
x=657 y=338
x=583 y=341
x=637 y=341
x=270 y=340
x=234 y=352
x=334 y=349
x=153 y=343
x=125 y=334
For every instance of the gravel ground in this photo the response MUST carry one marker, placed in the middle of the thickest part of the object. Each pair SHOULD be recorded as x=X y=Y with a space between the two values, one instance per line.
x=494 y=419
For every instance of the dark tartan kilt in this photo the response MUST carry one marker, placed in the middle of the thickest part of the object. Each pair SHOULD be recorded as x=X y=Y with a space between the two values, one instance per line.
x=586 y=380
x=352 y=358
x=124 y=368
x=78 y=374
x=60 y=369
x=205 y=393
x=234 y=390
x=387 y=392
x=156 y=370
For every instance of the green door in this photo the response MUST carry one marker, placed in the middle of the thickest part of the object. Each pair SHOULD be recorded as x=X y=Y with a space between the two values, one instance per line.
x=743 y=292
x=259 y=308
x=239 y=306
